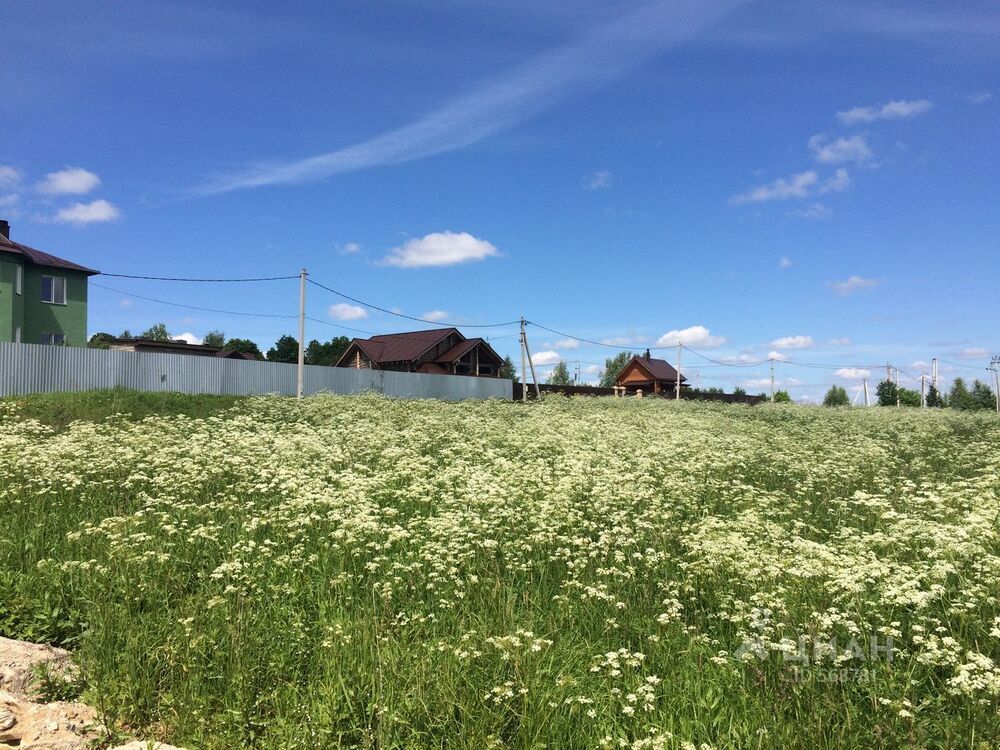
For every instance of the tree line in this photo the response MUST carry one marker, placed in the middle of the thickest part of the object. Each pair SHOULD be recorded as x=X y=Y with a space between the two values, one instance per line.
x=980 y=396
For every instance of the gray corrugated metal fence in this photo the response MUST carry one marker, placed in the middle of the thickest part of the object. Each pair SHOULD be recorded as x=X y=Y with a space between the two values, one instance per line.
x=35 y=368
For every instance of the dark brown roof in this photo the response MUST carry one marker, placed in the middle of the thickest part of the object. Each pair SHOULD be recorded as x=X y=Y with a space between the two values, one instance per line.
x=459 y=350
x=660 y=369
x=402 y=347
x=41 y=259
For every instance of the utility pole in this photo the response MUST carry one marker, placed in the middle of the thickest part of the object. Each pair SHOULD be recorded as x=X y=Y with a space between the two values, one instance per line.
x=923 y=394
x=534 y=378
x=300 y=377
x=897 y=386
x=678 y=395
x=934 y=375
x=771 y=360
x=995 y=366
x=866 y=392
x=524 y=366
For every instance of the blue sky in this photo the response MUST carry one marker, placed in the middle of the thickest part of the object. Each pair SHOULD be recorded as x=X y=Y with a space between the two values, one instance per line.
x=813 y=180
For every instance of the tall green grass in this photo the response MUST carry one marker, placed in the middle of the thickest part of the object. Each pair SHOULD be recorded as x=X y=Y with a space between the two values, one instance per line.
x=363 y=572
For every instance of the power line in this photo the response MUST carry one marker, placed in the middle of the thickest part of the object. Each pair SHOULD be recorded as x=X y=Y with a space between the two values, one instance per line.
x=337 y=325
x=723 y=364
x=590 y=341
x=217 y=281
x=192 y=307
x=412 y=317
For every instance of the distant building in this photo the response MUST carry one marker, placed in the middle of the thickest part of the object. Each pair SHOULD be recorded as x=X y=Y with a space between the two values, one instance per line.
x=651 y=376
x=175 y=347
x=443 y=351
x=43 y=299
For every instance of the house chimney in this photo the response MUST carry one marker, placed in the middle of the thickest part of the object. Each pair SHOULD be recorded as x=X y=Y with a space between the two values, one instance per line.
x=5 y=228
x=646 y=355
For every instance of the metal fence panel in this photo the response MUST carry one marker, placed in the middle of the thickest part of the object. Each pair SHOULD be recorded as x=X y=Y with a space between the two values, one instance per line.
x=36 y=368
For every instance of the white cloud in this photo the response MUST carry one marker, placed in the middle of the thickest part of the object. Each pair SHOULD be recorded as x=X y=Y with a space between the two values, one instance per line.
x=440 y=249
x=345 y=311
x=894 y=110
x=126 y=303
x=838 y=183
x=853 y=284
x=777 y=356
x=785 y=263
x=793 y=342
x=842 y=150
x=350 y=248
x=594 y=59
x=853 y=373
x=545 y=358
x=567 y=344
x=9 y=177
x=188 y=337
x=757 y=383
x=598 y=180
x=842 y=341
x=626 y=340
x=973 y=353
x=740 y=359
x=920 y=365
x=87 y=213
x=9 y=200
x=692 y=336
x=593 y=369
x=435 y=316
x=816 y=211
x=69 y=181
x=793 y=186
x=980 y=97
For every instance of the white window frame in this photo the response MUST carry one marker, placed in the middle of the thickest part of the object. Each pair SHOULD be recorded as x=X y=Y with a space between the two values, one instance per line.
x=52 y=288
x=18 y=278
x=17 y=334
x=50 y=339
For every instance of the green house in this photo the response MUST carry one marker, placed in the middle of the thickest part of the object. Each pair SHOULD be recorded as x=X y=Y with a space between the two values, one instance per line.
x=43 y=299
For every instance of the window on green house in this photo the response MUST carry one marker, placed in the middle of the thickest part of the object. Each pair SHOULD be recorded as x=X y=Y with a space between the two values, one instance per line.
x=18 y=278
x=54 y=290
x=53 y=339
x=17 y=334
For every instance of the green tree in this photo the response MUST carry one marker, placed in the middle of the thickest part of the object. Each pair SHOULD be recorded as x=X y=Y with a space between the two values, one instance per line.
x=908 y=397
x=934 y=398
x=507 y=370
x=126 y=334
x=960 y=398
x=245 y=346
x=782 y=397
x=982 y=396
x=214 y=338
x=156 y=332
x=886 y=393
x=613 y=367
x=100 y=341
x=737 y=391
x=560 y=375
x=325 y=354
x=836 y=396
x=285 y=349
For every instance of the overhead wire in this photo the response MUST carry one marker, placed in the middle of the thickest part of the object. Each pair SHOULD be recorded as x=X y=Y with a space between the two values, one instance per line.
x=214 y=281
x=194 y=307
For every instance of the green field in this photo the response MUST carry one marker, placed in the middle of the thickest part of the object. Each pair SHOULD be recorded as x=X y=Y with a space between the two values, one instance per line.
x=588 y=573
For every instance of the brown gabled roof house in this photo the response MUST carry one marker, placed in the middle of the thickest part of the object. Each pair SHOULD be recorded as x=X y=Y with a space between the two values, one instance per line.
x=442 y=351
x=650 y=375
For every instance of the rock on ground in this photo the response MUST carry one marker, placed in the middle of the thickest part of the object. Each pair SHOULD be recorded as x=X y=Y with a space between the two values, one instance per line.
x=28 y=725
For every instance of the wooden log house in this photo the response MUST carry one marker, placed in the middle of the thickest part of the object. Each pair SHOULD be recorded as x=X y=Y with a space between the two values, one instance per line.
x=442 y=351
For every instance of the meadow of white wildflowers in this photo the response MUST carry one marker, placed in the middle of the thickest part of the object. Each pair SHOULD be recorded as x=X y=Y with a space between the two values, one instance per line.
x=602 y=573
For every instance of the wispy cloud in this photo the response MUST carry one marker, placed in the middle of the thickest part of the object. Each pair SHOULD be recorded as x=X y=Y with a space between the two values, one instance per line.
x=853 y=284
x=840 y=150
x=68 y=181
x=842 y=341
x=973 y=353
x=440 y=249
x=188 y=338
x=9 y=177
x=435 y=316
x=349 y=248
x=598 y=180
x=785 y=263
x=853 y=373
x=95 y=212
x=793 y=342
x=625 y=340
x=594 y=60
x=796 y=186
x=567 y=344
x=346 y=311
x=692 y=336
x=545 y=358
x=980 y=97
x=894 y=110
x=816 y=211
